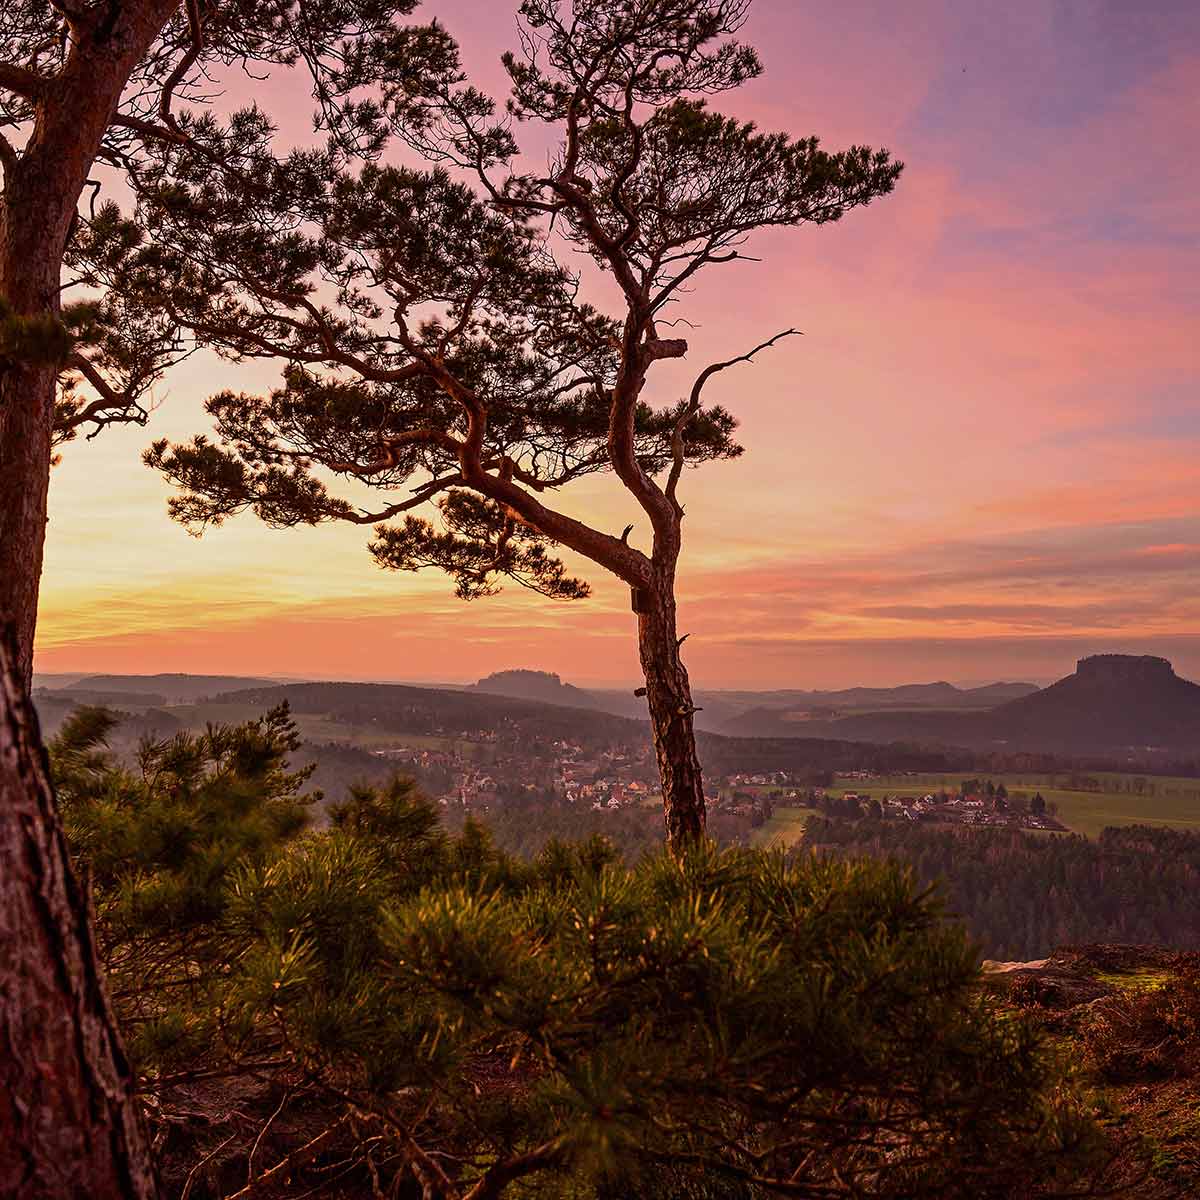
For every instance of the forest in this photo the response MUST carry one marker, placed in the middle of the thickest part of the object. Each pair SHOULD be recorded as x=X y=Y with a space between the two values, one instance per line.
x=1023 y=895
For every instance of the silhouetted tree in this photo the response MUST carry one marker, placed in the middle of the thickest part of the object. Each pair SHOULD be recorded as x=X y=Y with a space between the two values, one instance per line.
x=438 y=348
x=86 y=84
x=124 y=86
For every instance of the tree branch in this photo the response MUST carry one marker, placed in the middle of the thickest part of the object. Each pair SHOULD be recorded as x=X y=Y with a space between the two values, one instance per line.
x=423 y=495
x=110 y=408
x=266 y=1183
x=501 y=1174
x=196 y=31
x=25 y=83
x=693 y=407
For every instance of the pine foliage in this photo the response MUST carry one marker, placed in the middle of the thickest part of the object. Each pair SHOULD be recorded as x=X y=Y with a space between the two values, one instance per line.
x=732 y=1024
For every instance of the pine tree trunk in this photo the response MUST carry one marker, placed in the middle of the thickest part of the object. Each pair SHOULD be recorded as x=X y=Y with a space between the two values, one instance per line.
x=37 y=209
x=669 y=696
x=27 y=391
x=69 y=1121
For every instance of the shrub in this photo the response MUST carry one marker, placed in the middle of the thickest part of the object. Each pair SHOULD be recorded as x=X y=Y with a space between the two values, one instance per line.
x=389 y=1003
x=1141 y=1034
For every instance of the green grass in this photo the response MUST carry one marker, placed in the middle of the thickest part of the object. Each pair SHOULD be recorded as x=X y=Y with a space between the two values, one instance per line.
x=1174 y=801
x=784 y=827
x=1148 y=980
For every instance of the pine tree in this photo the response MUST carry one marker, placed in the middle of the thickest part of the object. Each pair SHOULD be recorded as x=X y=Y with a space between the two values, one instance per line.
x=103 y=82
x=438 y=349
x=69 y=1122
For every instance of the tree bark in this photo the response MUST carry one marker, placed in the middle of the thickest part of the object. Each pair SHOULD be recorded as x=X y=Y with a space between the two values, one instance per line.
x=69 y=1121
x=27 y=391
x=73 y=112
x=669 y=695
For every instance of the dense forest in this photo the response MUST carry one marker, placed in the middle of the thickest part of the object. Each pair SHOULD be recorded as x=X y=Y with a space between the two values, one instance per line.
x=1021 y=895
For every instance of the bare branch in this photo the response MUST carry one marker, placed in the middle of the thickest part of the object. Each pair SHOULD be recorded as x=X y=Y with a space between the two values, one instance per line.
x=185 y=64
x=712 y=370
x=693 y=407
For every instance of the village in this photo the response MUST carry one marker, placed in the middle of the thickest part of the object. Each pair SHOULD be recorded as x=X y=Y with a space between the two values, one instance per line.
x=478 y=773
x=984 y=804
x=483 y=772
x=559 y=771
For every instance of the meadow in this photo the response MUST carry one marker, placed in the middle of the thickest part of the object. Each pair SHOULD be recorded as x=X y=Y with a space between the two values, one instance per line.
x=1163 y=800
x=784 y=827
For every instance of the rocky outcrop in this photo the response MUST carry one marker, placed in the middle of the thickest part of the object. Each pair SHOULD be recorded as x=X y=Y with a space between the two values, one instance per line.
x=1077 y=975
x=1116 y=670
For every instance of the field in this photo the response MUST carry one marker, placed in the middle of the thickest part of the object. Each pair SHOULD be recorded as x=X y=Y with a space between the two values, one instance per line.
x=1164 y=800
x=785 y=826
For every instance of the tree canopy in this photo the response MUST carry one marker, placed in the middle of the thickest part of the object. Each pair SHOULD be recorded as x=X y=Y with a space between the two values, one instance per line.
x=169 y=110
x=437 y=347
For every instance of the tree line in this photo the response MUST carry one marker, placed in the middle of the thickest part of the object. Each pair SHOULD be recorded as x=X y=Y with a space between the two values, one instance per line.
x=1022 y=895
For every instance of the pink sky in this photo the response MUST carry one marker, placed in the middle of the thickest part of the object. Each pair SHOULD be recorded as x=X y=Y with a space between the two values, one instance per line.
x=980 y=461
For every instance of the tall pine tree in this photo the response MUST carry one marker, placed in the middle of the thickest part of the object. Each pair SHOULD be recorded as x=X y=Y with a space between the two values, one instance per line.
x=437 y=346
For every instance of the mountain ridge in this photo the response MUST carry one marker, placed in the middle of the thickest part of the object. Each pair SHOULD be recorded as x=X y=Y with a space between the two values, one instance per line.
x=1112 y=703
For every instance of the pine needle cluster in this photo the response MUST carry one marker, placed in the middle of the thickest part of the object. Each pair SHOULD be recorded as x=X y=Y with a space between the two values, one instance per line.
x=455 y=1021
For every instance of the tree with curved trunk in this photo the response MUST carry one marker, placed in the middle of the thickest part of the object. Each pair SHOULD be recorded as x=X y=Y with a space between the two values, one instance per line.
x=437 y=344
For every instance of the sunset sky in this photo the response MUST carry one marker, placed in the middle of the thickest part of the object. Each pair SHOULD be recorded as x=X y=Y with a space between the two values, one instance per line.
x=981 y=461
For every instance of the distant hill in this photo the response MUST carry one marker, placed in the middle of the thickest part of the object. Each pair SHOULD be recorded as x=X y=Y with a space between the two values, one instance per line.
x=537 y=685
x=410 y=710
x=57 y=679
x=1114 y=701
x=784 y=714
x=174 y=688
x=755 y=714
x=402 y=709
x=1113 y=704
x=78 y=694
x=916 y=695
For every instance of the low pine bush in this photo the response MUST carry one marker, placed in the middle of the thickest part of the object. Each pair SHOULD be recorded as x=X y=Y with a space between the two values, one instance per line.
x=376 y=1007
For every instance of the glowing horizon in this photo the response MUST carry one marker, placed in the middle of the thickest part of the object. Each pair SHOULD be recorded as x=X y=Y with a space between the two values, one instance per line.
x=978 y=463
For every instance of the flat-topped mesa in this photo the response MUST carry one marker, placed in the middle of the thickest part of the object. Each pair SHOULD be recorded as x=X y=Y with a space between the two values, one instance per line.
x=1124 y=668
